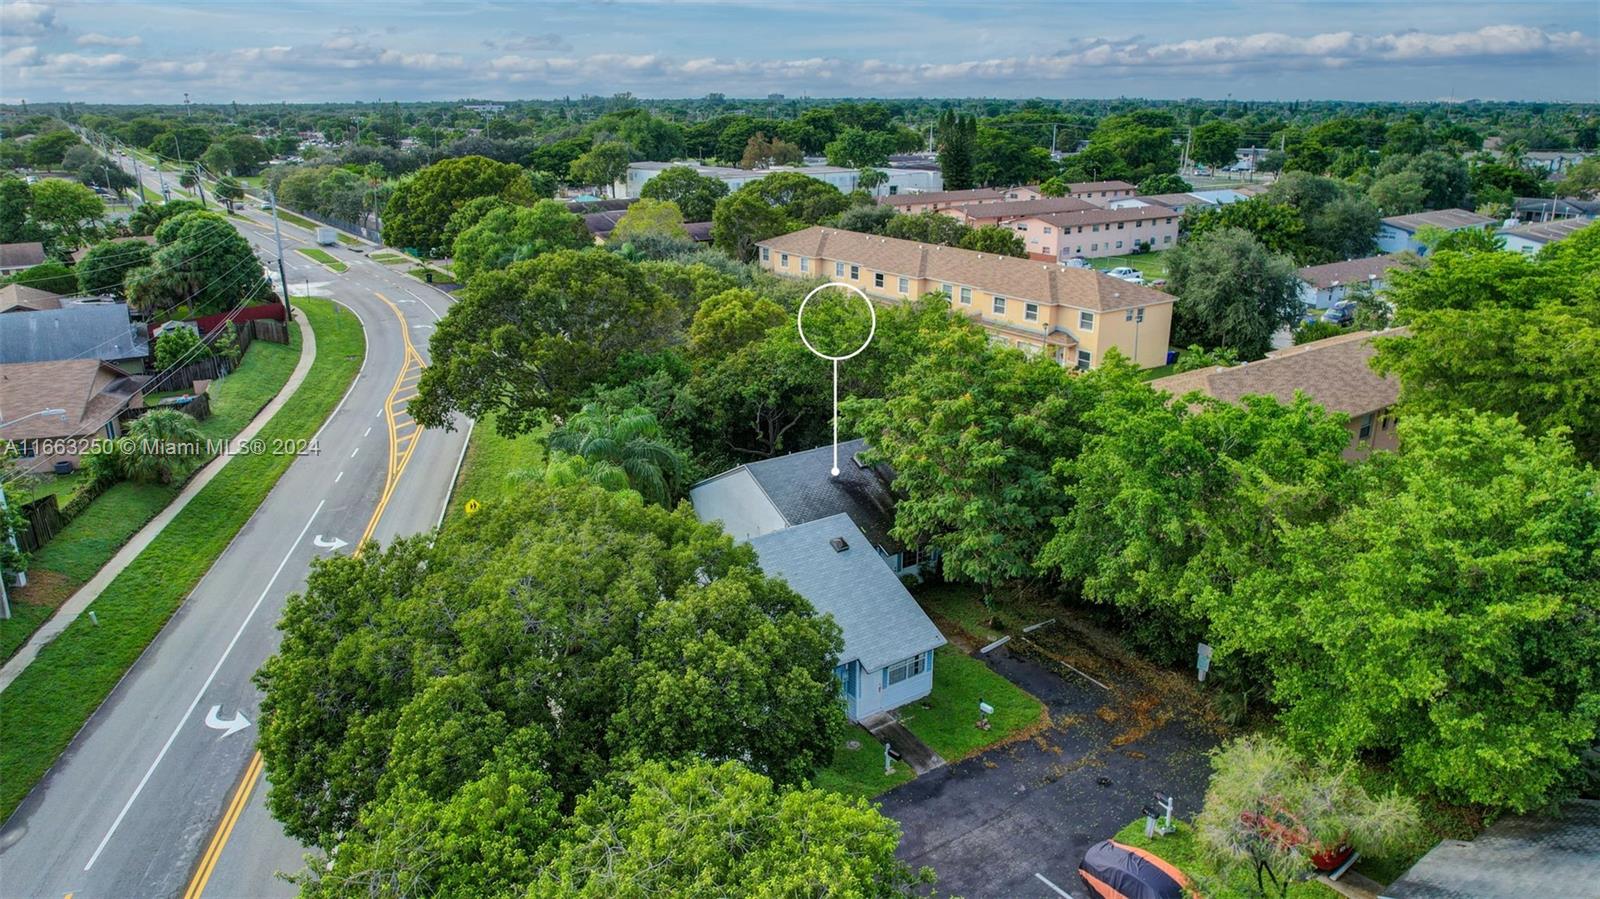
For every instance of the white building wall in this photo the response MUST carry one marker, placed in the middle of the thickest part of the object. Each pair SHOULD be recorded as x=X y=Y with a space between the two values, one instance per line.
x=873 y=697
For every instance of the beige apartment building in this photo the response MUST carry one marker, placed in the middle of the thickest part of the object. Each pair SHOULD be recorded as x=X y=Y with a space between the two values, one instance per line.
x=937 y=201
x=1073 y=315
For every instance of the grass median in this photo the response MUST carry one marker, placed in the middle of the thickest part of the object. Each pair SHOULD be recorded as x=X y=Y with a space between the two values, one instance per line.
x=46 y=706
x=324 y=257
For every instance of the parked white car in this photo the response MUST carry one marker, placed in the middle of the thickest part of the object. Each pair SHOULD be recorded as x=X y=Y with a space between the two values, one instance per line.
x=1076 y=262
x=1124 y=273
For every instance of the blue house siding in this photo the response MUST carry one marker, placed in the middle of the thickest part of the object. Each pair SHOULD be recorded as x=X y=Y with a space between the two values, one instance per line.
x=873 y=693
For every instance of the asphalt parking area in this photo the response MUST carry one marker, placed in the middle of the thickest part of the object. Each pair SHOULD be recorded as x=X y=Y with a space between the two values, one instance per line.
x=1016 y=820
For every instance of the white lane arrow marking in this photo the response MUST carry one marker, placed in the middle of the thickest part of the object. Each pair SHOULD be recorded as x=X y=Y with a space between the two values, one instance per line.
x=232 y=725
x=334 y=544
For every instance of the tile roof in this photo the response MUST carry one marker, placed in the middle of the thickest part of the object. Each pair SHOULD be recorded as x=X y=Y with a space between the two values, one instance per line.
x=882 y=624
x=89 y=391
x=21 y=255
x=1334 y=372
x=976 y=195
x=1025 y=279
x=21 y=298
x=1438 y=218
x=1549 y=232
x=75 y=331
x=1021 y=208
x=800 y=488
x=1519 y=856
x=1351 y=271
x=1100 y=216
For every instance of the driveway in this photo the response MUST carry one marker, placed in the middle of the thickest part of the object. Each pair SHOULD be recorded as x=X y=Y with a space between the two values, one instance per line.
x=994 y=824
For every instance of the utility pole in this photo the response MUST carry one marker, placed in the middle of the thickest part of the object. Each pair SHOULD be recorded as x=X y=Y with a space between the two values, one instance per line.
x=277 y=234
x=138 y=182
x=1053 y=126
x=1188 y=148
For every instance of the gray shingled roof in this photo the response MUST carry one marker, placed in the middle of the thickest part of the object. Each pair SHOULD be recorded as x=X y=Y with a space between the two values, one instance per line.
x=75 y=331
x=1449 y=219
x=882 y=624
x=1518 y=857
x=802 y=489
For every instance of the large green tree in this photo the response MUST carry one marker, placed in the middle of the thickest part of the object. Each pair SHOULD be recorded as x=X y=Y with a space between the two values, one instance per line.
x=421 y=206
x=536 y=335
x=602 y=166
x=958 y=150
x=617 y=629
x=201 y=263
x=1232 y=292
x=695 y=194
x=102 y=270
x=1216 y=143
x=1445 y=622
x=776 y=204
x=630 y=441
x=66 y=211
x=509 y=234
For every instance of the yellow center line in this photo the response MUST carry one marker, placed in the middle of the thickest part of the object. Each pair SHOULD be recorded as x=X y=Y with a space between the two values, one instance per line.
x=410 y=369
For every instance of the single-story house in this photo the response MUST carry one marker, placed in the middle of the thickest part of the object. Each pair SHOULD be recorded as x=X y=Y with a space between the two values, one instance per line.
x=771 y=494
x=78 y=254
x=1323 y=285
x=900 y=180
x=936 y=200
x=50 y=411
x=21 y=298
x=1532 y=238
x=1223 y=196
x=977 y=215
x=1180 y=202
x=14 y=257
x=1543 y=209
x=887 y=659
x=601 y=224
x=1554 y=162
x=1398 y=233
x=101 y=331
x=1518 y=856
x=1336 y=373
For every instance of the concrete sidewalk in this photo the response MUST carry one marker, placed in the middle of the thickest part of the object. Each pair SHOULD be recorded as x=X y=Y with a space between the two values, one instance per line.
x=79 y=602
x=915 y=753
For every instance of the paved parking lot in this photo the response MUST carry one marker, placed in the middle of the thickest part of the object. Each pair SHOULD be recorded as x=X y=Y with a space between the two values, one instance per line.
x=1015 y=821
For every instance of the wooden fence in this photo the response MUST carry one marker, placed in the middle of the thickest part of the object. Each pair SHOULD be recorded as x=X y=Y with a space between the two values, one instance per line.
x=44 y=518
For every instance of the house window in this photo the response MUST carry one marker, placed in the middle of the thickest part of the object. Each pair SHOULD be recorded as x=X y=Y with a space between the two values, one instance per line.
x=877 y=279
x=905 y=285
x=1083 y=359
x=1022 y=227
x=1096 y=228
x=838 y=269
x=905 y=670
x=1094 y=247
x=966 y=296
x=783 y=260
x=947 y=290
x=1086 y=321
x=1119 y=244
x=1047 y=229
x=999 y=305
x=805 y=264
x=766 y=254
x=855 y=272
x=1030 y=312
x=1167 y=239
x=1119 y=225
x=1366 y=427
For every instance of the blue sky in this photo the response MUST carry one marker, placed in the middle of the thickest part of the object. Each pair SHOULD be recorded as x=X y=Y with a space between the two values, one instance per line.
x=226 y=50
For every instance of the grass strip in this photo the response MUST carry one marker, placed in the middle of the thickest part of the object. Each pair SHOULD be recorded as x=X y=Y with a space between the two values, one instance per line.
x=1183 y=852
x=947 y=718
x=324 y=257
x=490 y=461
x=387 y=258
x=50 y=701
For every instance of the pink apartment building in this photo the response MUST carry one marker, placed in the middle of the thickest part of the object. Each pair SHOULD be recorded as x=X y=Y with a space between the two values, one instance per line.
x=978 y=215
x=1094 y=233
x=936 y=201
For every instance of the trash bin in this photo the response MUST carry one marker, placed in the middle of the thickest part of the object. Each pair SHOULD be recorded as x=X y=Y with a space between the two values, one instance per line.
x=429 y=275
x=1172 y=356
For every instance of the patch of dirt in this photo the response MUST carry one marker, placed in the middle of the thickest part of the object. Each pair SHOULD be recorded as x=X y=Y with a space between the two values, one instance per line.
x=45 y=588
x=1107 y=714
x=954 y=632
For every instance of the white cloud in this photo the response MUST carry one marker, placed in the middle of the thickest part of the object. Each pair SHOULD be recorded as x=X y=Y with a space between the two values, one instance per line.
x=25 y=18
x=95 y=39
x=20 y=57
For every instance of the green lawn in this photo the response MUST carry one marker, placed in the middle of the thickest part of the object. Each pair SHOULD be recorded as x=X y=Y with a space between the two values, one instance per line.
x=1160 y=371
x=62 y=485
x=1181 y=850
x=50 y=701
x=490 y=460
x=947 y=718
x=859 y=771
x=440 y=276
x=1152 y=265
x=324 y=257
x=296 y=220
x=388 y=258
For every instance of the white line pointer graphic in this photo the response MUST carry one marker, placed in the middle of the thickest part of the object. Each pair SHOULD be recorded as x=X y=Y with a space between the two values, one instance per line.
x=800 y=322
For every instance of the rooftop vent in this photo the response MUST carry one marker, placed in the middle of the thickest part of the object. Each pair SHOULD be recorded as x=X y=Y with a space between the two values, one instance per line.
x=838 y=544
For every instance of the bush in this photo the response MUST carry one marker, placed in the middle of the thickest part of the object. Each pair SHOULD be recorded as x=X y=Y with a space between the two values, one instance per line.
x=178 y=347
x=1316 y=330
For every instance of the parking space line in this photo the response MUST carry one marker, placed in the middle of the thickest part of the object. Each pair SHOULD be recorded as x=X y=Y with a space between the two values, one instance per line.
x=1046 y=881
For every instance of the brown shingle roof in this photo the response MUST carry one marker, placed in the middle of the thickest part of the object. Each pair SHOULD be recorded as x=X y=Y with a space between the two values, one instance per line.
x=1350 y=271
x=22 y=298
x=1024 y=279
x=1098 y=216
x=21 y=255
x=1334 y=372
x=975 y=195
x=1438 y=218
x=1084 y=186
x=1022 y=208
x=89 y=391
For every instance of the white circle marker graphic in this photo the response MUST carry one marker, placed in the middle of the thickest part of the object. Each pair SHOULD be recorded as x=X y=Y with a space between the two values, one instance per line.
x=800 y=323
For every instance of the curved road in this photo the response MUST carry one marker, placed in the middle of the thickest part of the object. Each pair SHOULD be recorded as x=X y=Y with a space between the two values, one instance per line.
x=160 y=794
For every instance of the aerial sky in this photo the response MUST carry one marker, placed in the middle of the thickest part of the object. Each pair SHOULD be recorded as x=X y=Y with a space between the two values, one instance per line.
x=293 y=50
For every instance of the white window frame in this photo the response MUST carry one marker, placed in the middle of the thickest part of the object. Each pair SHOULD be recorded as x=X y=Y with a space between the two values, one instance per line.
x=783 y=259
x=905 y=285
x=766 y=254
x=1085 y=359
x=966 y=296
x=906 y=669
x=1030 y=312
x=877 y=279
x=1085 y=320
x=999 y=306
x=838 y=269
x=805 y=263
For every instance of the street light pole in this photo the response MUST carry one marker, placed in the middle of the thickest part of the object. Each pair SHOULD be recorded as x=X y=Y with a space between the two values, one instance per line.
x=277 y=234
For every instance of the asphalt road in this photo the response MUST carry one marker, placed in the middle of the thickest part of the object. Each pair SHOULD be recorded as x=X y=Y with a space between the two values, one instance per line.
x=148 y=796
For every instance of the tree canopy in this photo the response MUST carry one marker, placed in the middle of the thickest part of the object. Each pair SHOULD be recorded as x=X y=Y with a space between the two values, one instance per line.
x=421 y=206
x=508 y=234
x=1232 y=292
x=695 y=194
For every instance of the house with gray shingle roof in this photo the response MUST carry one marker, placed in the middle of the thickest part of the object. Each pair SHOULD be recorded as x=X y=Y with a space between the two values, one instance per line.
x=887 y=659
x=1398 y=233
x=101 y=331
x=1323 y=285
x=1519 y=856
x=1531 y=238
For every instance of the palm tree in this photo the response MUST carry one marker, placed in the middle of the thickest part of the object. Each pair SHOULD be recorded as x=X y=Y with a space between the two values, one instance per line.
x=629 y=441
x=228 y=190
x=191 y=180
x=159 y=444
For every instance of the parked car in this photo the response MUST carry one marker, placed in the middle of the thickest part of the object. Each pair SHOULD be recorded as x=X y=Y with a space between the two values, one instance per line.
x=1341 y=313
x=1117 y=871
x=266 y=204
x=1076 y=262
x=1124 y=273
